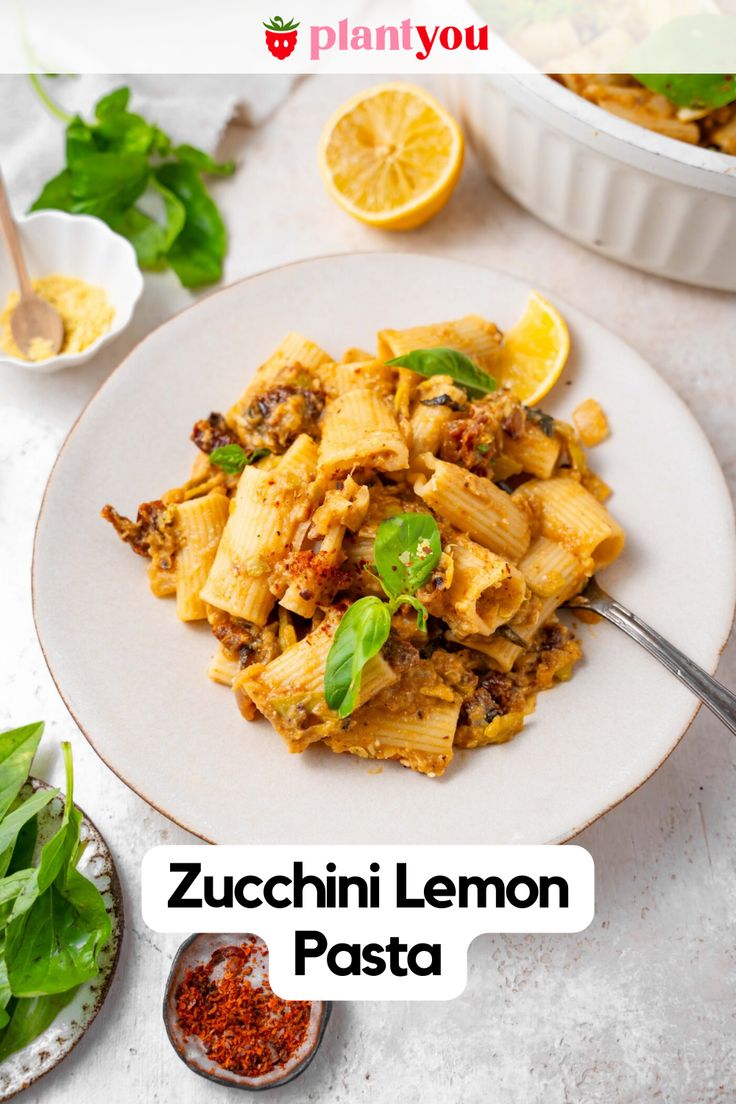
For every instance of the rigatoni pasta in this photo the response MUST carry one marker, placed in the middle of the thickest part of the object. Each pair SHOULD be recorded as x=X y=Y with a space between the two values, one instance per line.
x=273 y=541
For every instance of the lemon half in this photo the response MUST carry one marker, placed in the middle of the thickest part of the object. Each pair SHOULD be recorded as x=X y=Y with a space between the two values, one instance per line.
x=391 y=156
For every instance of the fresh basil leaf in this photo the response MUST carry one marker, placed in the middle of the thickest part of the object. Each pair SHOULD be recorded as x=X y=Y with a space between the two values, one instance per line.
x=232 y=458
x=105 y=183
x=406 y=551
x=113 y=103
x=411 y=600
x=448 y=362
x=698 y=91
x=198 y=159
x=197 y=254
x=361 y=634
x=30 y=1018
x=80 y=141
x=56 y=194
x=17 y=749
x=150 y=238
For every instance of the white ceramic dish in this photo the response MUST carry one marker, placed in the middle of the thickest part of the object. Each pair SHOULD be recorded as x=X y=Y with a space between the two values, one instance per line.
x=23 y=1068
x=650 y=201
x=134 y=678
x=81 y=246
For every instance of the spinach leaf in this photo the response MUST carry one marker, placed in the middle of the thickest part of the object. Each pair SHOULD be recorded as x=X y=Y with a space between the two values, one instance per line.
x=197 y=253
x=30 y=1018
x=13 y=822
x=232 y=458
x=698 y=91
x=406 y=551
x=448 y=362
x=59 y=923
x=17 y=749
x=361 y=634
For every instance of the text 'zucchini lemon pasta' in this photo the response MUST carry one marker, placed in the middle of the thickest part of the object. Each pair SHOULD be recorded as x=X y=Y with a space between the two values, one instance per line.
x=380 y=543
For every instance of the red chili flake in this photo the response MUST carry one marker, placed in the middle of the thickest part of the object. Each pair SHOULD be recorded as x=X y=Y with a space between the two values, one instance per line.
x=243 y=1027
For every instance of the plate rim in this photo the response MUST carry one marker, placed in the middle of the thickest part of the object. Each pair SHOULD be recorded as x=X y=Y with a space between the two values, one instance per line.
x=116 y=893
x=388 y=253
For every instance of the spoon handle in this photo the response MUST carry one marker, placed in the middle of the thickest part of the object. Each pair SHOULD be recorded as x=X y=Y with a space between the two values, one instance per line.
x=712 y=693
x=10 y=230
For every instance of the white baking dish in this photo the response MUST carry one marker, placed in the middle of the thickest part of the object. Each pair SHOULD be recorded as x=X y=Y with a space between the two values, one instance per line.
x=658 y=204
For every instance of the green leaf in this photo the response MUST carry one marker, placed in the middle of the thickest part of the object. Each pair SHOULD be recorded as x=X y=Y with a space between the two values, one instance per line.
x=80 y=141
x=59 y=923
x=406 y=551
x=232 y=458
x=14 y=821
x=448 y=362
x=411 y=600
x=30 y=1018
x=197 y=254
x=17 y=749
x=696 y=91
x=113 y=103
x=104 y=184
x=361 y=634
x=25 y=847
x=202 y=162
x=56 y=194
x=150 y=238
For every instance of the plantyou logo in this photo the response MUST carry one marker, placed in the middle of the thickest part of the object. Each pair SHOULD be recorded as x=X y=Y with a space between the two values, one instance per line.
x=281 y=37
x=418 y=39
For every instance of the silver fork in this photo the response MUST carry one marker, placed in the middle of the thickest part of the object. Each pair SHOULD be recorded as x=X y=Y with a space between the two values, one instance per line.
x=712 y=693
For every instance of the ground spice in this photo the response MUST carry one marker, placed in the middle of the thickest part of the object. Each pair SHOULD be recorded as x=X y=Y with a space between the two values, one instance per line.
x=85 y=310
x=244 y=1027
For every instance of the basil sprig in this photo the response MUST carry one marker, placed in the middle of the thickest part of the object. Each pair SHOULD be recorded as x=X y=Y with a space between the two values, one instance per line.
x=448 y=362
x=232 y=458
x=121 y=167
x=407 y=550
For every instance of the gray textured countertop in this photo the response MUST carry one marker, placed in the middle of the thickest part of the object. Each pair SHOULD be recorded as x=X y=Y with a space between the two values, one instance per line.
x=642 y=1005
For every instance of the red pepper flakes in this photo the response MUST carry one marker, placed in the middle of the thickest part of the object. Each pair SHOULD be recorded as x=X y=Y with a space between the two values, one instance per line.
x=244 y=1028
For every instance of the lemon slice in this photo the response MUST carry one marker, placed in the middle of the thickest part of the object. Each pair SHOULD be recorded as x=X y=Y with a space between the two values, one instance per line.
x=533 y=352
x=391 y=156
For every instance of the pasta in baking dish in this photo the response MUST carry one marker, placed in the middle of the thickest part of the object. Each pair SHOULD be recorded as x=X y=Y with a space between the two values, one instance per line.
x=380 y=545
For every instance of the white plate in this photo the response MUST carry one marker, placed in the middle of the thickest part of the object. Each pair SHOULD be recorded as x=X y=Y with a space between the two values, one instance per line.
x=21 y=1069
x=134 y=678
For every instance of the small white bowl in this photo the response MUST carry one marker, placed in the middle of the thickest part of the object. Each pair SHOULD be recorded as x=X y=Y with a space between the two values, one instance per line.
x=75 y=245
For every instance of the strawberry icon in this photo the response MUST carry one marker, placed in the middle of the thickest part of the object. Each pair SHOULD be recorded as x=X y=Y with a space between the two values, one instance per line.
x=281 y=37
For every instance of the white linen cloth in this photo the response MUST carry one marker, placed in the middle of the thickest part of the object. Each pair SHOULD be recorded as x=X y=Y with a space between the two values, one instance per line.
x=193 y=109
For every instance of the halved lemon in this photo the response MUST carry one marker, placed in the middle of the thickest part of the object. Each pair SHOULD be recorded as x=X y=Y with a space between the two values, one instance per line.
x=534 y=351
x=391 y=156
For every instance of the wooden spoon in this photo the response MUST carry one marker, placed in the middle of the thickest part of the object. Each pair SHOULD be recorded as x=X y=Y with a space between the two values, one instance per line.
x=36 y=326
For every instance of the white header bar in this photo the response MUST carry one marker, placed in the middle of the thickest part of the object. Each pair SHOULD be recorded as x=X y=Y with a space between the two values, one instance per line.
x=368 y=36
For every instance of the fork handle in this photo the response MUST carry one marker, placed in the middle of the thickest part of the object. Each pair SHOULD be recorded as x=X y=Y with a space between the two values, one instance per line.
x=711 y=692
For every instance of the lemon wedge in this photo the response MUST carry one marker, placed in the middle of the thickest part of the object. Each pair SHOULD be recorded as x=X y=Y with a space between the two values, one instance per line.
x=534 y=351
x=391 y=156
